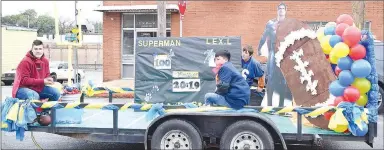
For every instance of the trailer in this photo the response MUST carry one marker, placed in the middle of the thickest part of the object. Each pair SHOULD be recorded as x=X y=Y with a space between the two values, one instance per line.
x=189 y=128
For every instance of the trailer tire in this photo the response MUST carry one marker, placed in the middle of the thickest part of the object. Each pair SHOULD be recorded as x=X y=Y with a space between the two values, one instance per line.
x=182 y=133
x=246 y=134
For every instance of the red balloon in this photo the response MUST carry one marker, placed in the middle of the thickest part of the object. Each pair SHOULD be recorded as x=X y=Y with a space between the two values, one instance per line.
x=357 y=52
x=340 y=28
x=337 y=70
x=351 y=94
x=351 y=36
x=338 y=100
x=344 y=18
x=328 y=115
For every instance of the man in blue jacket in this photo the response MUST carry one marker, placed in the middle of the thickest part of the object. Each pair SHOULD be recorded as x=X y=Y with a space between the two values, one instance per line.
x=231 y=88
x=252 y=70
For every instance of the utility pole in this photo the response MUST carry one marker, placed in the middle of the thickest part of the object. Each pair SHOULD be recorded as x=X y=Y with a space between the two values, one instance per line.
x=75 y=48
x=161 y=18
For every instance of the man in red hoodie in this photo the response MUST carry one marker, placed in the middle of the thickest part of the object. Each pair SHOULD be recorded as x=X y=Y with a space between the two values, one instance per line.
x=33 y=76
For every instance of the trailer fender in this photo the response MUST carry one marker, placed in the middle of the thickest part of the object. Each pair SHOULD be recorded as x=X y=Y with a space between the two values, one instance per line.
x=239 y=116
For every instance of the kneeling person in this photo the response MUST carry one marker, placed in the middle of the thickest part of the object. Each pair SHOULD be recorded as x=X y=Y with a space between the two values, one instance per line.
x=33 y=76
x=231 y=88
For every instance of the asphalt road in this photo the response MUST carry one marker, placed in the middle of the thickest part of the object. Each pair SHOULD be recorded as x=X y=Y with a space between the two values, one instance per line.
x=52 y=141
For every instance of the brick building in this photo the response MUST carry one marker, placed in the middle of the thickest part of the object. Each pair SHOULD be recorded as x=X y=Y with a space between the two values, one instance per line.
x=123 y=21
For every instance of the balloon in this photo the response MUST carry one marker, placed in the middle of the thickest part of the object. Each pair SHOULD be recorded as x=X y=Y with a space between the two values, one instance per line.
x=336 y=89
x=357 y=52
x=345 y=63
x=325 y=44
x=332 y=58
x=362 y=84
x=341 y=49
x=346 y=78
x=320 y=33
x=351 y=94
x=334 y=40
x=337 y=70
x=338 y=100
x=340 y=28
x=330 y=24
x=328 y=115
x=330 y=30
x=362 y=101
x=344 y=18
x=363 y=131
x=351 y=36
x=361 y=68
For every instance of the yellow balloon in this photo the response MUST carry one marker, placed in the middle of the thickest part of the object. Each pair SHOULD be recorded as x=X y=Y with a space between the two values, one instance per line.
x=320 y=33
x=362 y=101
x=330 y=24
x=362 y=84
x=325 y=44
x=332 y=57
x=341 y=49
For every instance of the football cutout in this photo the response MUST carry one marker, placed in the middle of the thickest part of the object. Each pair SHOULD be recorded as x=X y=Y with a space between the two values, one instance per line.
x=304 y=65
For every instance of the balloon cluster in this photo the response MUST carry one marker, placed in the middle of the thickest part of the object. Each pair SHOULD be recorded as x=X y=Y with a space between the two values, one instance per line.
x=340 y=43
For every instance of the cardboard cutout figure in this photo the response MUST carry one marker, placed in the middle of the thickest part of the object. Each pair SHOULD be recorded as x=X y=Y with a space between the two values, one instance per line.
x=278 y=94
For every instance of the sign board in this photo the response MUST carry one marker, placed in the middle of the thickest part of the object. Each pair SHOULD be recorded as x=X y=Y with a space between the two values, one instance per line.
x=179 y=69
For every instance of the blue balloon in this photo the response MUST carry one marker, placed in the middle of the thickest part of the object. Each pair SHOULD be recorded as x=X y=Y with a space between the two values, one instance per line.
x=329 y=30
x=336 y=89
x=334 y=40
x=346 y=78
x=361 y=68
x=345 y=63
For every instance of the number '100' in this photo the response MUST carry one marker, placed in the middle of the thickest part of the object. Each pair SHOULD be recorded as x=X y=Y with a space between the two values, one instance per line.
x=162 y=62
x=190 y=85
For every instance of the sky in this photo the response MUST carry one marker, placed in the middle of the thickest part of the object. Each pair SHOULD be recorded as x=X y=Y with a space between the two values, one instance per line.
x=66 y=9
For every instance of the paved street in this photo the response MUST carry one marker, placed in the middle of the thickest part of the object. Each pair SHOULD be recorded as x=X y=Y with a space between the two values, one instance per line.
x=51 y=141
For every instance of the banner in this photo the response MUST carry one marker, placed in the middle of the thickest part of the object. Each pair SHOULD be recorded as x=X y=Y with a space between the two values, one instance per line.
x=179 y=69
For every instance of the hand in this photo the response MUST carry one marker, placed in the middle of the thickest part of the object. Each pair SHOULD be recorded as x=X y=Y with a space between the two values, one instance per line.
x=48 y=81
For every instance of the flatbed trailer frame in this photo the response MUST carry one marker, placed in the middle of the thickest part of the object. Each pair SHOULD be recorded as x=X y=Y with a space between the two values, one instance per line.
x=211 y=125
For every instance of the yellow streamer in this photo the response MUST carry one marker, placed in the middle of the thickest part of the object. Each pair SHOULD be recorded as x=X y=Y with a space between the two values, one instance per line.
x=126 y=106
x=12 y=113
x=72 y=105
x=48 y=104
x=4 y=125
x=21 y=114
x=267 y=109
x=285 y=110
x=95 y=105
x=146 y=107
x=319 y=111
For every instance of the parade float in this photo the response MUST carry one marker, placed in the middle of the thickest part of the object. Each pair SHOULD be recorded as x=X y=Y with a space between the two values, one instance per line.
x=331 y=74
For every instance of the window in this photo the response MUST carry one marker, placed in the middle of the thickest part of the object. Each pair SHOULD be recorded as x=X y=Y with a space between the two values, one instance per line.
x=367 y=26
x=150 y=21
x=128 y=21
x=128 y=42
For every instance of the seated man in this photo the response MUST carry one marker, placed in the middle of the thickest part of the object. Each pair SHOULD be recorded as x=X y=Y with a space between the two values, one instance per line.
x=231 y=88
x=33 y=76
x=252 y=71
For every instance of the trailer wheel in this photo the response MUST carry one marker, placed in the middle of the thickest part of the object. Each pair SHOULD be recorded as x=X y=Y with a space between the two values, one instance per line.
x=176 y=134
x=246 y=135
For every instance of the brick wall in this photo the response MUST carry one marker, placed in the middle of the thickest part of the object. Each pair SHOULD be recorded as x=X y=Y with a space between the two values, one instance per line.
x=111 y=46
x=238 y=18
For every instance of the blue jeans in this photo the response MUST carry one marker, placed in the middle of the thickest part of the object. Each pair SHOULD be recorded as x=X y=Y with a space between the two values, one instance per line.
x=48 y=92
x=215 y=99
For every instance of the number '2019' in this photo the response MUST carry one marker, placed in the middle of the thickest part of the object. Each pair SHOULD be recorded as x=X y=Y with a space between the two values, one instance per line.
x=182 y=85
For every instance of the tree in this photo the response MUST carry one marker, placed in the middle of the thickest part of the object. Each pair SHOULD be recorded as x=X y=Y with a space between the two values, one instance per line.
x=65 y=25
x=358 y=13
x=45 y=25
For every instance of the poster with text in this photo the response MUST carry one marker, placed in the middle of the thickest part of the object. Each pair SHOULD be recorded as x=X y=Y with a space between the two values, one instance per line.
x=179 y=69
